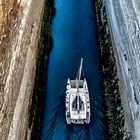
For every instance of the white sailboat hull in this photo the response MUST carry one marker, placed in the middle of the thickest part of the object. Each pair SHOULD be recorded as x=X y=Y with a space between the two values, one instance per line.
x=77 y=102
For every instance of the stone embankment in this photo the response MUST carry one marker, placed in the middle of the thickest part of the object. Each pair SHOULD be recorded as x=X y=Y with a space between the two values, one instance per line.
x=20 y=22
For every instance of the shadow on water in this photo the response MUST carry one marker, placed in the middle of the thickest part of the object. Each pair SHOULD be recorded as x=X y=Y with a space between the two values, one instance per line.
x=74 y=36
x=45 y=46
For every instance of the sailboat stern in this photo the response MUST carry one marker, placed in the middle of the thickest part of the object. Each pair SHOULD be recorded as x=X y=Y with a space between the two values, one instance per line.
x=77 y=103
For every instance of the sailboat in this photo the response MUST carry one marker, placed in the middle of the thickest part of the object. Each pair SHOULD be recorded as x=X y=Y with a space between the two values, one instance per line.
x=77 y=101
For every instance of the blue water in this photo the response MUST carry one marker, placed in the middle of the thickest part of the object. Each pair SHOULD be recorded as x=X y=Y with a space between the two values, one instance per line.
x=74 y=36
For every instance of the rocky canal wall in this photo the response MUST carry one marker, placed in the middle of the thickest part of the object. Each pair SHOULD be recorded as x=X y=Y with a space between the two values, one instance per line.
x=20 y=24
x=115 y=113
x=124 y=20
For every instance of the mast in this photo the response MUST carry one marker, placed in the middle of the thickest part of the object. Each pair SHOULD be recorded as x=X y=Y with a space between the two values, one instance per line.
x=77 y=82
x=79 y=74
x=80 y=69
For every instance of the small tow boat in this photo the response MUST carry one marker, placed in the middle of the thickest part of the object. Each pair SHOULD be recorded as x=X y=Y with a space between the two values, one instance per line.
x=77 y=100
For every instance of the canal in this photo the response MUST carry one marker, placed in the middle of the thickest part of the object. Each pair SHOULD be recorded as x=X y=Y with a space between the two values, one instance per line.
x=74 y=37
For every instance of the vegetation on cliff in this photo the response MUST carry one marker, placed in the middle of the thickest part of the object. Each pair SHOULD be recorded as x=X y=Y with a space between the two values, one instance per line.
x=114 y=113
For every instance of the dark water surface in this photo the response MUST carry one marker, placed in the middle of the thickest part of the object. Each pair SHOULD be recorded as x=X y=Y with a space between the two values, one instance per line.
x=74 y=36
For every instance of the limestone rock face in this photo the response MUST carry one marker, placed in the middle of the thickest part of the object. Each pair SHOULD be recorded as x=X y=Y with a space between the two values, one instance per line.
x=124 y=18
x=8 y=12
x=20 y=22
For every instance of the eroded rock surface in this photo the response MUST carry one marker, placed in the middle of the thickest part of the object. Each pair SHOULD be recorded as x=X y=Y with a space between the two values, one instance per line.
x=19 y=36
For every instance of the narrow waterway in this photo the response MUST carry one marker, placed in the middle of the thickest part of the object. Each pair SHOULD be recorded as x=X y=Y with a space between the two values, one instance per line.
x=74 y=36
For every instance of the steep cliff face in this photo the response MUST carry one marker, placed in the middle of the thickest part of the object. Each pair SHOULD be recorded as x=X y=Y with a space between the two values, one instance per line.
x=124 y=20
x=114 y=112
x=19 y=36
x=119 y=25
